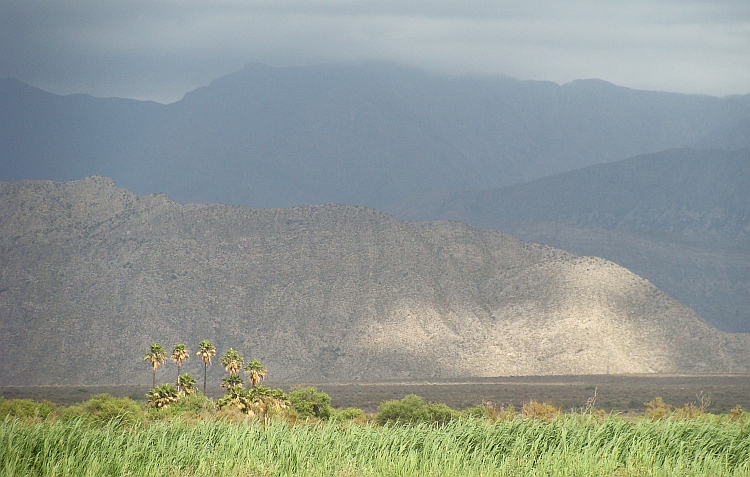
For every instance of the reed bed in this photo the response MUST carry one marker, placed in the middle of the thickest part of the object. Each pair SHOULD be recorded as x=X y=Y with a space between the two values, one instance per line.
x=570 y=446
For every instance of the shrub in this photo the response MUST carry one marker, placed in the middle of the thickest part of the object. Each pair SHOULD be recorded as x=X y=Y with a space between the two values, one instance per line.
x=489 y=410
x=440 y=413
x=412 y=409
x=26 y=408
x=657 y=409
x=349 y=414
x=736 y=414
x=477 y=412
x=538 y=410
x=689 y=411
x=103 y=408
x=309 y=402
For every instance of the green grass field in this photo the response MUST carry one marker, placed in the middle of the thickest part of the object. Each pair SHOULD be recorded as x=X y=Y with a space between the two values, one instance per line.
x=566 y=446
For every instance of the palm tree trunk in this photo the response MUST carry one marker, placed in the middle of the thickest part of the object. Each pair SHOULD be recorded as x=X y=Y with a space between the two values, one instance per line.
x=154 y=382
x=205 y=371
x=178 y=374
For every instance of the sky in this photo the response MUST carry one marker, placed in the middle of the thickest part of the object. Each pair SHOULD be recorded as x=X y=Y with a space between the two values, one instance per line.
x=161 y=49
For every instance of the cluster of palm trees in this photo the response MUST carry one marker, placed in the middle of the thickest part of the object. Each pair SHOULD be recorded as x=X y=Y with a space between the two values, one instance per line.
x=185 y=384
x=233 y=362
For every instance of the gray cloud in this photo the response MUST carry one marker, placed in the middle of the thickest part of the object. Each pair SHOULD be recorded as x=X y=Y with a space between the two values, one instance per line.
x=160 y=49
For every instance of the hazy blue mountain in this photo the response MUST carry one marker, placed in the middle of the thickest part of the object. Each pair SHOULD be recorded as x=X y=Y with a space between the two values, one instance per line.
x=46 y=136
x=680 y=218
x=92 y=274
x=367 y=134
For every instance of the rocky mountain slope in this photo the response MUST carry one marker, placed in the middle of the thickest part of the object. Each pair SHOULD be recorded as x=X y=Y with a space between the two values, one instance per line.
x=679 y=218
x=367 y=134
x=91 y=274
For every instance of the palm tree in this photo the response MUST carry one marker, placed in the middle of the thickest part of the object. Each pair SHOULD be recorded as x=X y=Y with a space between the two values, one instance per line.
x=179 y=354
x=162 y=396
x=186 y=384
x=206 y=351
x=231 y=381
x=232 y=361
x=156 y=356
x=257 y=372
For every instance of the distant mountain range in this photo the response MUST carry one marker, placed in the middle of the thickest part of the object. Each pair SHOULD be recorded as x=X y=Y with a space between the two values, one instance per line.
x=681 y=218
x=92 y=274
x=655 y=182
x=369 y=134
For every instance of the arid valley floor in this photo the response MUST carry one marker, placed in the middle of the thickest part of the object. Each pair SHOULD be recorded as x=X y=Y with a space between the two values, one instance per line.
x=619 y=393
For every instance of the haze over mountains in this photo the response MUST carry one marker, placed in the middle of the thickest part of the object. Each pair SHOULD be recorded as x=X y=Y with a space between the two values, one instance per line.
x=92 y=274
x=369 y=134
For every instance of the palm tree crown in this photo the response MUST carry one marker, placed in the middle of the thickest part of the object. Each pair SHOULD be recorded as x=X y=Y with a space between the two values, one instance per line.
x=162 y=396
x=156 y=356
x=231 y=381
x=206 y=351
x=257 y=371
x=186 y=384
x=232 y=361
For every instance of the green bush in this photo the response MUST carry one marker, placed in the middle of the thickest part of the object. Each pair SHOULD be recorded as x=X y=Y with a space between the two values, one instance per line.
x=409 y=409
x=412 y=409
x=195 y=404
x=441 y=413
x=25 y=408
x=349 y=414
x=103 y=408
x=476 y=412
x=309 y=402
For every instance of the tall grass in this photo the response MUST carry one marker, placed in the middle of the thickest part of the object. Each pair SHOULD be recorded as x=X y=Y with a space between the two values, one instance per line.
x=523 y=447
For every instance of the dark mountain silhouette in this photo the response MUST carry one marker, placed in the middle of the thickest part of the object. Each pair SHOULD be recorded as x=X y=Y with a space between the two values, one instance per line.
x=679 y=218
x=92 y=274
x=367 y=134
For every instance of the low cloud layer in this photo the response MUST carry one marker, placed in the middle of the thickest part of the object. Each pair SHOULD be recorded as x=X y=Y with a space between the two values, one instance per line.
x=160 y=49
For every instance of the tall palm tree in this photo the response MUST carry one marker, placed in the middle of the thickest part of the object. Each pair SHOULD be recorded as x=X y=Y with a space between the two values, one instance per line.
x=179 y=354
x=156 y=356
x=232 y=361
x=257 y=372
x=206 y=351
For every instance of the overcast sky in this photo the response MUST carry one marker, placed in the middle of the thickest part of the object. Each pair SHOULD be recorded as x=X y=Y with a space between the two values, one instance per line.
x=161 y=49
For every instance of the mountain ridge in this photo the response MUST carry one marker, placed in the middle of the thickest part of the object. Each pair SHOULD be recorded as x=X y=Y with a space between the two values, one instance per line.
x=92 y=274
x=366 y=134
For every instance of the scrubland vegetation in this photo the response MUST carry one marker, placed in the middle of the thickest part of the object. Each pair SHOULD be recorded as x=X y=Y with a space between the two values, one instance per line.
x=179 y=431
x=306 y=436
